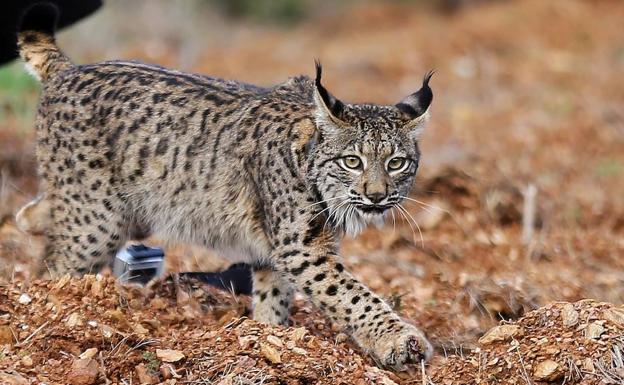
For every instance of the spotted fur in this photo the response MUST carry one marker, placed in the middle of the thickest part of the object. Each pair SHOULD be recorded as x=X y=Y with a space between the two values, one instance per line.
x=127 y=149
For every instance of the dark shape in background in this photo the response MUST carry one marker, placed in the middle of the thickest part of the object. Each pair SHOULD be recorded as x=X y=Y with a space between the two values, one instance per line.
x=70 y=12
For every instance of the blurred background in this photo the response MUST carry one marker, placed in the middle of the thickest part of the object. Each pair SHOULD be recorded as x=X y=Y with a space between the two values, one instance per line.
x=527 y=122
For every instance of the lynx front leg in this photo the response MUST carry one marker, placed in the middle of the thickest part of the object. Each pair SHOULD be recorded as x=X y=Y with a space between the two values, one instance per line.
x=371 y=322
x=272 y=297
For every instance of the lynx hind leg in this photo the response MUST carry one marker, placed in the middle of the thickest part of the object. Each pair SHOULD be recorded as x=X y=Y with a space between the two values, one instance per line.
x=35 y=217
x=83 y=238
x=272 y=297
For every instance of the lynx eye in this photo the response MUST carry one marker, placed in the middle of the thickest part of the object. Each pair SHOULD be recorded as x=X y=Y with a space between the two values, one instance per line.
x=351 y=162
x=396 y=164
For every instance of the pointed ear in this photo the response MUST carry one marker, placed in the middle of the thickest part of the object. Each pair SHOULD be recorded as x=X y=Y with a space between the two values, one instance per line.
x=416 y=105
x=328 y=109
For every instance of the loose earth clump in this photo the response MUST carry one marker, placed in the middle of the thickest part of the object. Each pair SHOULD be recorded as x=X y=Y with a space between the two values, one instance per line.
x=91 y=330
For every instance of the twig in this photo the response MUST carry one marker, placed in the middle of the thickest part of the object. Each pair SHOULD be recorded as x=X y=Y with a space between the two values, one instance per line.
x=528 y=214
x=33 y=334
x=103 y=369
x=525 y=374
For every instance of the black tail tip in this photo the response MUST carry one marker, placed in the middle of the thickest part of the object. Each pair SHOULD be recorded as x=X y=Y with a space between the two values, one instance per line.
x=40 y=17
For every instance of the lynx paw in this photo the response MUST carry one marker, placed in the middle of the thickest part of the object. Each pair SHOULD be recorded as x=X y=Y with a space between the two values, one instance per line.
x=407 y=346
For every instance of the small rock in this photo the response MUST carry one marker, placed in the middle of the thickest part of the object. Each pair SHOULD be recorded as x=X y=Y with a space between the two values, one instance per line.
x=300 y=351
x=6 y=335
x=547 y=370
x=13 y=378
x=182 y=297
x=341 y=337
x=588 y=365
x=83 y=372
x=145 y=375
x=73 y=320
x=270 y=353
x=168 y=372
x=246 y=342
x=168 y=355
x=615 y=315
x=500 y=333
x=24 y=299
x=26 y=361
x=97 y=289
x=275 y=341
x=89 y=353
x=569 y=316
x=107 y=331
x=140 y=330
x=594 y=330
x=298 y=334
x=159 y=303
x=62 y=282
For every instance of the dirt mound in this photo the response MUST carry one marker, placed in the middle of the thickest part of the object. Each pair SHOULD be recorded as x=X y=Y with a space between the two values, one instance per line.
x=90 y=330
x=562 y=342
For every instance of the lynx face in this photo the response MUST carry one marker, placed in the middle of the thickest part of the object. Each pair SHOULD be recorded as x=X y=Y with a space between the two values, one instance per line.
x=366 y=157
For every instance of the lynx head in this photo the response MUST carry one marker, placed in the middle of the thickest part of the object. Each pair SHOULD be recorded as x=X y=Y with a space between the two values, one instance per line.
x=365 y=156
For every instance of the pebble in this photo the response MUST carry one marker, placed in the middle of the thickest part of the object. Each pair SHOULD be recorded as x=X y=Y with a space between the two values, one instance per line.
x=169 y=355
x=83 y=372
x=547 y=370
x=145 y=375
x=89 y=353
x=594 y=330
x=6 y=335
x=500 y=333
x=24 y=299
x=270 y=353
x=275 y=341
x=569 y=316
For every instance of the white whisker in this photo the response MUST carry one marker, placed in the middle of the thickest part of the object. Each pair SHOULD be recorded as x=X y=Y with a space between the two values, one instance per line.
x=334 y=211
x=319 y=213
x=393 y=219
x=424 y=204
x=325 y=201
x=422 y=240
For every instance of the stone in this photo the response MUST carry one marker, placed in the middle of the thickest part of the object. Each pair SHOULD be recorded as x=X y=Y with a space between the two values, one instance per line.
x=6 y=335
x=84 y=371
x=569 y=316
x=594 y=330
x=24 y=299
x=270 y=353
x=547 y=370
x=500 y=333
x=145 y=376
x=615 y=316
x=169 y=355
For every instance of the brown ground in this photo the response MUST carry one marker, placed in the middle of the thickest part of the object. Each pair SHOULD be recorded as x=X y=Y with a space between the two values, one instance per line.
x=527 y=93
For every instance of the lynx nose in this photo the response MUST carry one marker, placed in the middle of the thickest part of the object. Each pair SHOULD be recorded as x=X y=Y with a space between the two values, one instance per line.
x=375 y=192
x=376 y=197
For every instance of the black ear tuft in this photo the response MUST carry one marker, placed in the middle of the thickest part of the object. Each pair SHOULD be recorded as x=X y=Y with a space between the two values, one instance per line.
x=334 y=105
x=417 y=103
x=40 y=17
